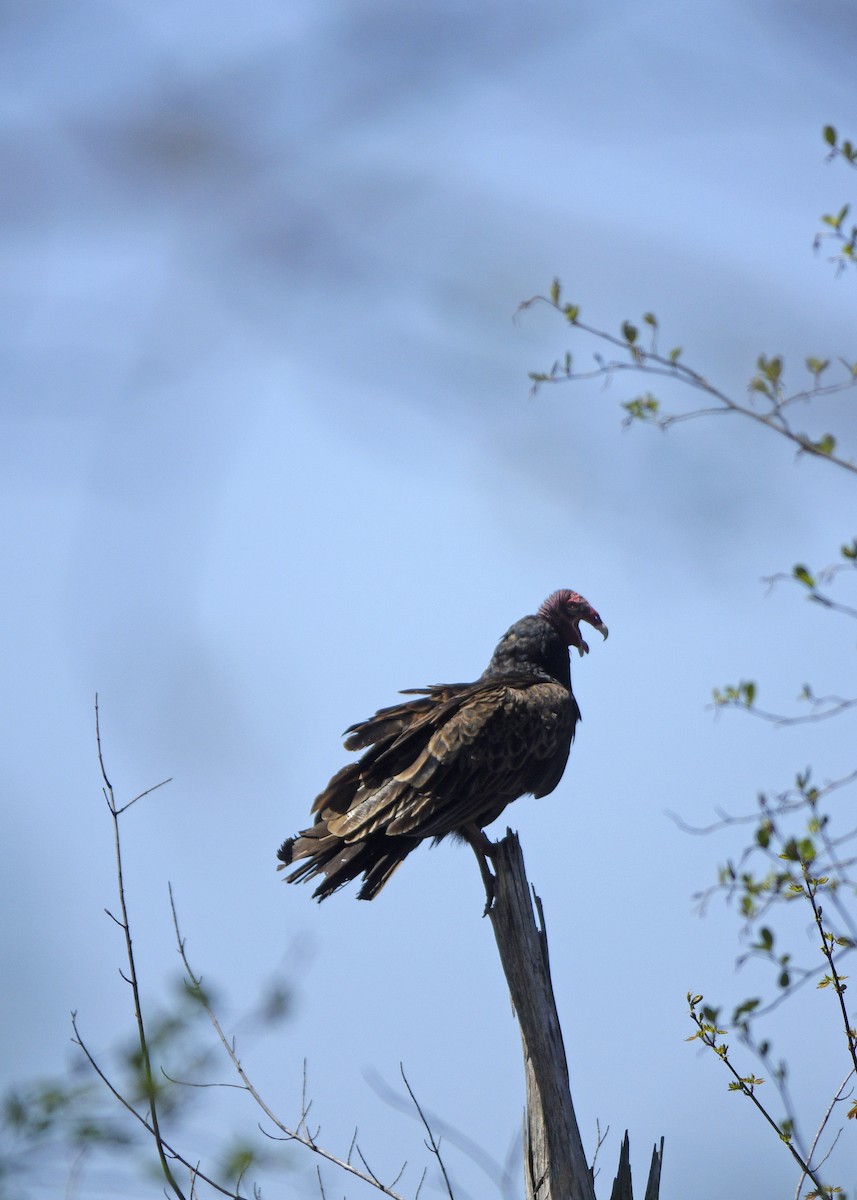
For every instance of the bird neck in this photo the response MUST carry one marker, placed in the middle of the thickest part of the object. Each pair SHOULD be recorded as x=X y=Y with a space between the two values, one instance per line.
x=531 y=647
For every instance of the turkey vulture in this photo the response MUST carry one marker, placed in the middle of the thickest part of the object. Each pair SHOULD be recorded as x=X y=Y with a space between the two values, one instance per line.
x=450 y=761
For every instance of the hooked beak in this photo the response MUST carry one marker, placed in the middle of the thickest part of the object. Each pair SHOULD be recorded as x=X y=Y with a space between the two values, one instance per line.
x=582 y=647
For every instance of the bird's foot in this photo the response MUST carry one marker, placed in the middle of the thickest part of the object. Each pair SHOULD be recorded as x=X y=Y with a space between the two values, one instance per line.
x=484 y=849
x=479 y=840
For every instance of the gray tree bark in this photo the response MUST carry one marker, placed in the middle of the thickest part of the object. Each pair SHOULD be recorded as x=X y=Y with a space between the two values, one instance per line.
x=555 y=1164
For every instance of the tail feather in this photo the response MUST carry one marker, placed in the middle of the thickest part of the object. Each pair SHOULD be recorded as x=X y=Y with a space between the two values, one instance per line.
x=338 y=861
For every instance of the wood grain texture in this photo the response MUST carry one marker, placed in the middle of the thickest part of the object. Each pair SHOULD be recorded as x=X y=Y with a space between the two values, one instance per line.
x=555 y=1163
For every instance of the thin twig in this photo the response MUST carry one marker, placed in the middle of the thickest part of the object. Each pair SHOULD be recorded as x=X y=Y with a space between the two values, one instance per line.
x=820 y=1131
x=601 y=1138
x=786 y=802
x=466 y=1145
x=811 y=890
x=708 y=1036
x=433 y=1145
x=140 y=795
x=371 y=1173
x=420 y=1184
x=132 y=975
x=837 y=705
x=650 y=362
x=126 y=1104
x=292 y=1135
x=192 y=1083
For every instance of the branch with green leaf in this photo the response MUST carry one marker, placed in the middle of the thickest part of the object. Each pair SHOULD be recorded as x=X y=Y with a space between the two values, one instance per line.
x=800 y=861
x=835 y=226
x=769 y=402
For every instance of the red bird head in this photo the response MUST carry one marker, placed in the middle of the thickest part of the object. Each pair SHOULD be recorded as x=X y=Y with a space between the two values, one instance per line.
x=565 y=610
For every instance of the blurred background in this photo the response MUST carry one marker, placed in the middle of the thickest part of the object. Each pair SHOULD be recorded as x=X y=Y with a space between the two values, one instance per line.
x=269 y=455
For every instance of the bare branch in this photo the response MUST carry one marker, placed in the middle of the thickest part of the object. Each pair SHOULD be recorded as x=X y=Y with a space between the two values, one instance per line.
x=837 y=705
x=107 y=783
x=293 y=1135
x=494 y=1170
x=836 y=1099
x=168 y=1149
x=192 y=1083
x=433 y=1144
x=166 y=1152
x=600 y=1140
x=132 y=972
x=420 y=1184
x=785 y=802
x=141 y=795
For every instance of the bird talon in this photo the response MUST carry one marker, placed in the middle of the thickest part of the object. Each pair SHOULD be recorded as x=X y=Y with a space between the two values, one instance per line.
x=479 y=840
x=484 y=849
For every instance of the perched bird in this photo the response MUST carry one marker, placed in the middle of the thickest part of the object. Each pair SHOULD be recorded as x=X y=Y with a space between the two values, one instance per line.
x=450 y=761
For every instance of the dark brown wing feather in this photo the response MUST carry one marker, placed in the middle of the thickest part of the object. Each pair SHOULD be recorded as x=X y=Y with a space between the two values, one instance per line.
x=455 y=757
x=388 y=722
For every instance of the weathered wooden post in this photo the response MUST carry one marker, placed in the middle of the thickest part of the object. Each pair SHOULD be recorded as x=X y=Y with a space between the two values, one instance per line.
x=555 y=1165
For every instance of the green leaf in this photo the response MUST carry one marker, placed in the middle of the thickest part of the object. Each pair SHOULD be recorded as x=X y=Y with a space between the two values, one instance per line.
x=238 y=1160
x=571 y=312
x=825 y=446
x=650 y=319
x=747 y=1007
x=641 y=408
x=89 y=1132
x=803 y=576
x=15 y=1111
x=806 y=850
x=829 y=134
x=771 y=368
x=555 y=291
x=629 y=332
x=763 y=834
x=675 y=354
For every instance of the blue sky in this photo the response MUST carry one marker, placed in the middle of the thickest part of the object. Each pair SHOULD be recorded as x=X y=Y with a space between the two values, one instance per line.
x=269 y=455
